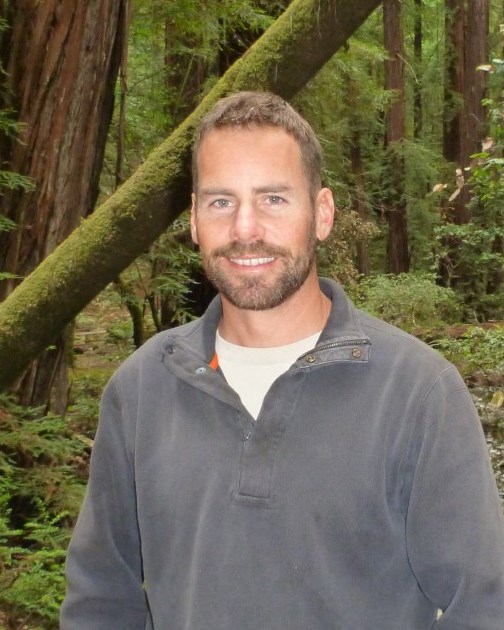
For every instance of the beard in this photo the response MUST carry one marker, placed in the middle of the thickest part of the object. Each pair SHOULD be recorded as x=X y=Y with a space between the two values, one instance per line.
x=254 y=292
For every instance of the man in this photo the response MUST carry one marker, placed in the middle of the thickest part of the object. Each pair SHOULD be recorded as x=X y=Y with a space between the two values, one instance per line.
x=285 y=462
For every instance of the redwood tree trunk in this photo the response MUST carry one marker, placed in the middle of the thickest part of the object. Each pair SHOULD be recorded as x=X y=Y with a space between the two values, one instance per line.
x=466 y=27
x=417 y=86
x=395 y=206
x=61 y=65
x=454 y=78
x=123 y=91
x=476 y=53
x=466 y=35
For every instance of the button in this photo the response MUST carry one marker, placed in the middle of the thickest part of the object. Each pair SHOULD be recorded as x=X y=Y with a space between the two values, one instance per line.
x=310 y=358
x=356 y=353
x=200 y=370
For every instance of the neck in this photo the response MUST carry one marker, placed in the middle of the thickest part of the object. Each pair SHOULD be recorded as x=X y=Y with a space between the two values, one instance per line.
x=303 y=314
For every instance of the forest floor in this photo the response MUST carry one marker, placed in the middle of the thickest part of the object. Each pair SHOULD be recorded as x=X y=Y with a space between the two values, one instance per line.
x=103 y=337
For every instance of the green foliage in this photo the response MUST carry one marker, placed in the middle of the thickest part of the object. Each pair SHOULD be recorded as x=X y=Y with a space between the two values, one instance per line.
x=6 y=224
x=120 y=333
x=487 y=175
x=10 y=128
x=33 y=583
x=345 y=106
x=174 y=261
x=173 y=60
x=335 y=258
x=13 y=181
x=87 y=387
x=477 y=271
x=477 y=352
x=477 y=267
x=408 y=300
x=40 y=494
x=161 y=282
x=10 y=180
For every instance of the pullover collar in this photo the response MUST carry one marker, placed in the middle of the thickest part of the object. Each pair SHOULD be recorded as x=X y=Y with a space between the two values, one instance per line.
x=342 y=339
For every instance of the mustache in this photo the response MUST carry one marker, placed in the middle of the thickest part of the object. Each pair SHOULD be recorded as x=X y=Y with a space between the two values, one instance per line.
x=259 y=249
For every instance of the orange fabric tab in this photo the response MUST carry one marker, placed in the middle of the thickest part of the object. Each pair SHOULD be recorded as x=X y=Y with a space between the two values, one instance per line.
x=214 y=363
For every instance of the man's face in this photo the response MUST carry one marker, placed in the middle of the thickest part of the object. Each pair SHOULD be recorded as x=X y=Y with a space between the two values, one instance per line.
x=253 y=218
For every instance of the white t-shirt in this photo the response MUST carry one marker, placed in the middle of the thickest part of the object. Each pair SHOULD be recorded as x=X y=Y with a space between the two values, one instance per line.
x=251 y=371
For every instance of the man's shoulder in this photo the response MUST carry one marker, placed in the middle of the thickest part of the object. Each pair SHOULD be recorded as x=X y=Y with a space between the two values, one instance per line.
x=405 y=360
x=395 y=342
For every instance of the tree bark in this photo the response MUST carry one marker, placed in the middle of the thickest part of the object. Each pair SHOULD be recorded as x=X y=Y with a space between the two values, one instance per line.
x=466 y=35
x=466 y=26
x=123 y=92
x=290 y=52
x=454 y=78
x=61 y=65
x=476 y=53
x=395 y=206
x=417 y=85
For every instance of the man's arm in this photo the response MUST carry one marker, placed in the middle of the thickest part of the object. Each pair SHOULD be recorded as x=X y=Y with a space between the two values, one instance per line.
x=104 y=565
x=455 y=526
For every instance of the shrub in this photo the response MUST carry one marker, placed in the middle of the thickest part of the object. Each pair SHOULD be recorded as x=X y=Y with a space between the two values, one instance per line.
x=478 y=352
x=40 y=495
x=408 y=300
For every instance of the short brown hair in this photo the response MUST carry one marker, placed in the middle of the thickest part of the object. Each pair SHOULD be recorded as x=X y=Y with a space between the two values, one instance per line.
x=247 y=109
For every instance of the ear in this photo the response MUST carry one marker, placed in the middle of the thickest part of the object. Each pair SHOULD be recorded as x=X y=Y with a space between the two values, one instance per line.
x=194 y=231
x=324 y=209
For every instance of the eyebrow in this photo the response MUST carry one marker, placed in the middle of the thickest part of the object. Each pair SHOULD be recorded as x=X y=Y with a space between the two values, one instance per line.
x=268 y=188
x=210 y=192
x=273 y=188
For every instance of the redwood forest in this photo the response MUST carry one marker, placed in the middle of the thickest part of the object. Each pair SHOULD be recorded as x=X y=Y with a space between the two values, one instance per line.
x=99 y=100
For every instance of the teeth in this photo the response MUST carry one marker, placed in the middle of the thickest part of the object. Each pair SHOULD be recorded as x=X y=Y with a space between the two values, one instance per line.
x=251 y=262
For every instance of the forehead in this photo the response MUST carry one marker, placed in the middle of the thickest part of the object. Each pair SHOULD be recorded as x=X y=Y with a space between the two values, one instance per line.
x=253 y=147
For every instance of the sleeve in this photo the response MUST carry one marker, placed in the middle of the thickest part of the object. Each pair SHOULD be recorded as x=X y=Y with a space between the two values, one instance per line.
x=455 y=525
x=104 y=564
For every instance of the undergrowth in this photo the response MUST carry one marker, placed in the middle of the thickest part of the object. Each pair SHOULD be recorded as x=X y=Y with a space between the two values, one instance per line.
x=408 y=300
x=41 y=490
x=477 y=353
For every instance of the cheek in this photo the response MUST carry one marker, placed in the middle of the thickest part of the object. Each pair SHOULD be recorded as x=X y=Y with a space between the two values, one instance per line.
x=208 y=236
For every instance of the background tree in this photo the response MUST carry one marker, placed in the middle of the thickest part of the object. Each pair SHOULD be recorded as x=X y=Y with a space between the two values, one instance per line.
x=467 y=25
x=60 y=64
x=466 y=50
x=417 y=86
x=394 y=202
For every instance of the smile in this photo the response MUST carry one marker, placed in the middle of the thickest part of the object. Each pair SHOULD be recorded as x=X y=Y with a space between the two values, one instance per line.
x=251 y=262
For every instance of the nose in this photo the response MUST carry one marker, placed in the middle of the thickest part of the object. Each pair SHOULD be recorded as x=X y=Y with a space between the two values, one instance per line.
x=247 y=225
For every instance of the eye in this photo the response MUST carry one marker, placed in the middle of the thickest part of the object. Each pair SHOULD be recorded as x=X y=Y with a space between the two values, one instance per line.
x=274 y=200
x=221 y=203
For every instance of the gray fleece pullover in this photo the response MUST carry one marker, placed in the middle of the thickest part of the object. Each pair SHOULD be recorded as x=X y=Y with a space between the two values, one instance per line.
x=361 y=499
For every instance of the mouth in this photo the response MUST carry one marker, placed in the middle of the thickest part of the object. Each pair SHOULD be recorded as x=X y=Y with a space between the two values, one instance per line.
x=252 y=262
